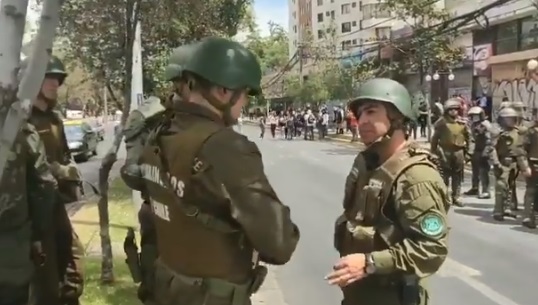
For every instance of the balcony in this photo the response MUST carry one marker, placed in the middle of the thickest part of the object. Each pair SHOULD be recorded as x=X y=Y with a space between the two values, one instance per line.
x=376 y=22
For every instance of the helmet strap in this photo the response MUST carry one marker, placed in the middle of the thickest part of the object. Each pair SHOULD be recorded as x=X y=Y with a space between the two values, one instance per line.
x=224 y=108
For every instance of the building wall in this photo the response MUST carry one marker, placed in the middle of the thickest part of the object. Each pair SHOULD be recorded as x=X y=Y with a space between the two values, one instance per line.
x=510 y=80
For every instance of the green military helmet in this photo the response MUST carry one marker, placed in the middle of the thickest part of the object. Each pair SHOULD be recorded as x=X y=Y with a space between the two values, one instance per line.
x=225 y=63
x=177 y=60
x=508 y=112
x=452 y=103
x=388 y=91
x=172 y=72
x=476 y=110
x=55 y=67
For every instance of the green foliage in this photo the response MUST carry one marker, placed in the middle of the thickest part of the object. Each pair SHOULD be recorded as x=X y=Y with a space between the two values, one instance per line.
x=99 y=33
x=328 y=78
x=272 y=50
x=426 y=47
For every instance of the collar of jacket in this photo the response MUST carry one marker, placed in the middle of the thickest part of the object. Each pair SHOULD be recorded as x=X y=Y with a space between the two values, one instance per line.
x=198 y=110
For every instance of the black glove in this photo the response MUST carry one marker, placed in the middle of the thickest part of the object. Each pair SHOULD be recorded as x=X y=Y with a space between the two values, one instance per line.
x=497 y=170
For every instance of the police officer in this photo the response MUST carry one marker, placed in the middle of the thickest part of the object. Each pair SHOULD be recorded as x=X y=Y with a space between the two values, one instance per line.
x=523 y=125
x=28 y=192
x=507 y=155
x=393 y=232
x=60 y=280
x=452 y=141
x=216 y=214
x=531 y=191
x=480 y=128
x=140 y=123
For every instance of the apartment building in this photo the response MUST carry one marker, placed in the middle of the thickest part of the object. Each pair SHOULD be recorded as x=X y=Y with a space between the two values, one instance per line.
x=497 y=52
x=351 y=25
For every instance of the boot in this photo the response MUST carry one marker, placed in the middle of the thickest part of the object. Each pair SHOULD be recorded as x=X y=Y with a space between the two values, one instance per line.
x=457 y=202
x=484 y=195
x=529 y=222
x=498 y=217
x=472 y=192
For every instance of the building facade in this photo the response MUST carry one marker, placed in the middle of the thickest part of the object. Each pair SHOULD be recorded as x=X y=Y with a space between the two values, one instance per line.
x=500 y=51
x=350 y=27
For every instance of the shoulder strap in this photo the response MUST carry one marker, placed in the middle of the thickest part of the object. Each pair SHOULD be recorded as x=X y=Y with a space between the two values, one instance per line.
x=396 y=166
x=197 y=135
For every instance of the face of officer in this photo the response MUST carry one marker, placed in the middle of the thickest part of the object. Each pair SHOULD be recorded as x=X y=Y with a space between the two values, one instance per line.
x=373 y=121
x=224 y=96
x=49 y=87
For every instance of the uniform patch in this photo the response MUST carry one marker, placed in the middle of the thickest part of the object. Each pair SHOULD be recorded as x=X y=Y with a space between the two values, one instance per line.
x=432 y=224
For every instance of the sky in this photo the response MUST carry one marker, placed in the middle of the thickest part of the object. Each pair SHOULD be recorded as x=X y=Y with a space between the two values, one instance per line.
x=271 y=10
x=264 y=10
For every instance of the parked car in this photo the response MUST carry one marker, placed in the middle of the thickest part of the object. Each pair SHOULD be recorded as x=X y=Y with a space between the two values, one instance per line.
x=81 y=139
x=98 y=128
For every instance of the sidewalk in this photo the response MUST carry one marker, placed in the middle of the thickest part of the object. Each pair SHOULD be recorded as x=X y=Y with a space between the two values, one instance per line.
x=423 y=142
x=85 y=220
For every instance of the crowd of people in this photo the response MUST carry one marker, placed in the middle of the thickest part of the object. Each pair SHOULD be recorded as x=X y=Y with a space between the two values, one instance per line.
x=307 y=123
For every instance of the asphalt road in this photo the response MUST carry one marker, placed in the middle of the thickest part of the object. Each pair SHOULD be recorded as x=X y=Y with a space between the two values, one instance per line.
x=489 y=263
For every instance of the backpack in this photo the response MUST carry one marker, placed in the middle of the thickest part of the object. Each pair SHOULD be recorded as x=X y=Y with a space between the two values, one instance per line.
x=311 y=119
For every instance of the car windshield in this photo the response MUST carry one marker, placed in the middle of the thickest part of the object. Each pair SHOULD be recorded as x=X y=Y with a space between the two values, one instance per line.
x=73 y=132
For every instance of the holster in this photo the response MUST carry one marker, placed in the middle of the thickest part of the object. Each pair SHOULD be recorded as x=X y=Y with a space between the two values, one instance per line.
x=339 y=233
x=410 y=290
x=259 y=275
x=132 y=258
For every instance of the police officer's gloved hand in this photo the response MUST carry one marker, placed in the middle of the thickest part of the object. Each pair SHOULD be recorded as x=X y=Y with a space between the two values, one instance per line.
x=497 y=170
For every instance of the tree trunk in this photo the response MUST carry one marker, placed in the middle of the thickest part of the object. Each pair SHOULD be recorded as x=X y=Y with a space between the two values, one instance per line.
x=107 y=264
x=12 y=23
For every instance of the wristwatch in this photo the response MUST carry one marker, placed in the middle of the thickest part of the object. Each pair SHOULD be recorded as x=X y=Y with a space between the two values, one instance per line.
x=370 y=264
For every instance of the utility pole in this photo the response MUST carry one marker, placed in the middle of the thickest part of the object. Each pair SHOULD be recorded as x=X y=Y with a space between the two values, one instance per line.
x=300 y=54
x=105 y=107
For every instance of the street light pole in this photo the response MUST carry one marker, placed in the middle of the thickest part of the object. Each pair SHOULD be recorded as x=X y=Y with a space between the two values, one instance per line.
x=428 y=78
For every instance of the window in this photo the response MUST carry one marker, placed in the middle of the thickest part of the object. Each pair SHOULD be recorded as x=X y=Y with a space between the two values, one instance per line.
x=320 y=17
x=370 y=11
x=346 y=9
x=294 y=14
x=354 y=23
x=332 y=15
x=360 y=24
x=320 y=2
x=382 y=33
x=346 y=27
x=529 y=34
x=360 y=6
x=295 y=43
x=346 y=44
x=327 y=13
x=320 y=34
x=295 y=29
x=506 y=41
x=354 y=42
x=354 y=4
x=332 y=1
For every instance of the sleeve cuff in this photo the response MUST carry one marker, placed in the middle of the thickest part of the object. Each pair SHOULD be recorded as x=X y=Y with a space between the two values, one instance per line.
x=384 y=263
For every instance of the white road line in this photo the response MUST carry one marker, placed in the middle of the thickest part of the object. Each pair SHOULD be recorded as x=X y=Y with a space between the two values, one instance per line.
x=466 y=274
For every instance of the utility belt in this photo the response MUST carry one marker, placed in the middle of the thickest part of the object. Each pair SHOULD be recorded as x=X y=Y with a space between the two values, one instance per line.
x=237 y=294
x=507 y=161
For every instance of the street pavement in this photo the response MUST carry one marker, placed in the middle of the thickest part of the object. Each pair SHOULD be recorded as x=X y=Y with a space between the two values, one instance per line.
x=489 y=263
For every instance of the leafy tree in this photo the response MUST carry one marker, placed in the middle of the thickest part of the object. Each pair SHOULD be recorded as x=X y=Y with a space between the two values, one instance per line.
x=272 y=50
x=99 y=34
x=426 y=48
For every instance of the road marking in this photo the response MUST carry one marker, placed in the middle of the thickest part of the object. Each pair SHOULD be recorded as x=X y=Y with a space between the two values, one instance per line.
x=451 y=268
x=466 y=274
